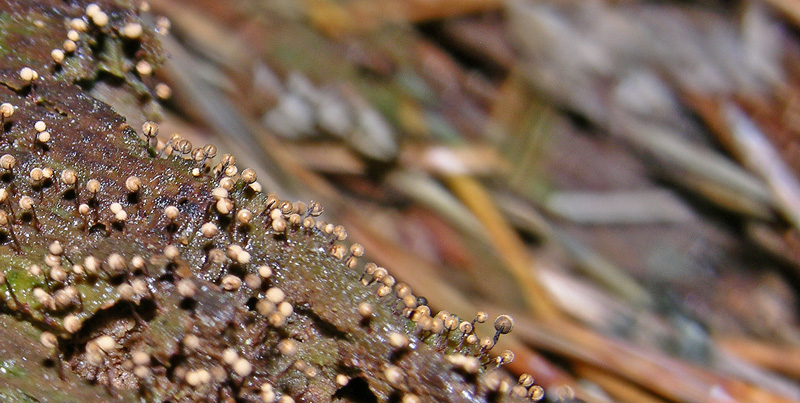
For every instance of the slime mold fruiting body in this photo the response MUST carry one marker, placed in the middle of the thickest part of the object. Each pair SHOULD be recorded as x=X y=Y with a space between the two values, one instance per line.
x=155 y=274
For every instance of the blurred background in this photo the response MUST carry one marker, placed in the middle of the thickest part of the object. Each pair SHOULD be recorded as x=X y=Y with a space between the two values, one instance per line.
x=618 y=175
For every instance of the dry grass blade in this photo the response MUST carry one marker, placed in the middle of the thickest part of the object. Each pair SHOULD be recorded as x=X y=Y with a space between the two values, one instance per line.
x=432 y=194
x=619 y=388
x=337 y=19
x=331 y=158
x=466 y=159
x=780 y=358
x=667 y=146
x=668 y=377
x=721 y=195
x=628 y=207
x=759 y=155
x=593 y=264
x=506 y=242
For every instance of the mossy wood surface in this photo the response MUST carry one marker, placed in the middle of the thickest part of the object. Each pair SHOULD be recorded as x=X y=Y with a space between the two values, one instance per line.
x=87 y=136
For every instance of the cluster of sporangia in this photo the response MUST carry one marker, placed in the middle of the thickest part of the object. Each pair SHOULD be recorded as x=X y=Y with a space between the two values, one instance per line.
x=244 y=329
